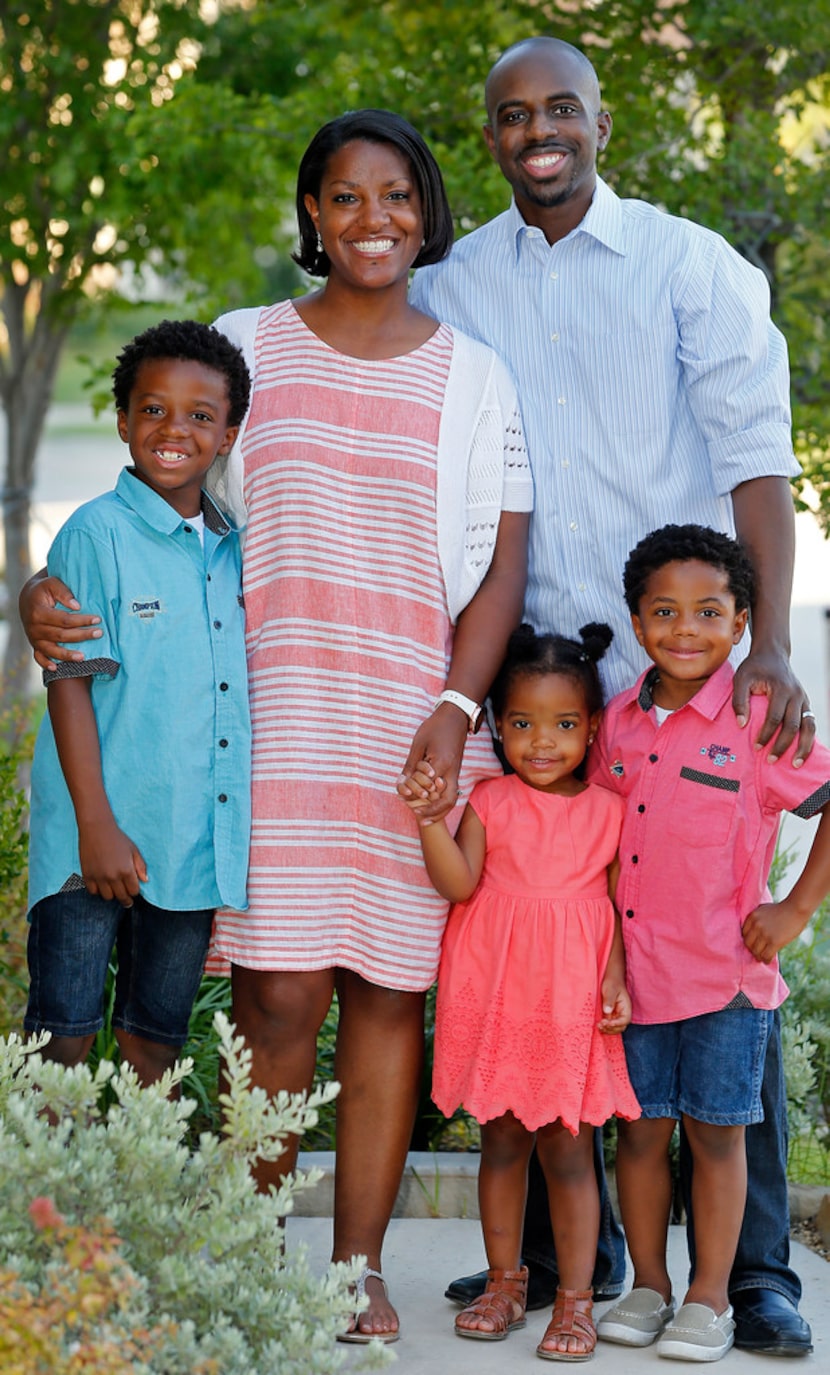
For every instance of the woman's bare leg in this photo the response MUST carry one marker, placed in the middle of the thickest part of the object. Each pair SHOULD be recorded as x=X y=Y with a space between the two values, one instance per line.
x=379 y=1059
x=280 y=1014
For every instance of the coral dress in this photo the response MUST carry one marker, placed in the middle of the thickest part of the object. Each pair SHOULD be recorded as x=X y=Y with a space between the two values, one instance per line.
x=523 y=959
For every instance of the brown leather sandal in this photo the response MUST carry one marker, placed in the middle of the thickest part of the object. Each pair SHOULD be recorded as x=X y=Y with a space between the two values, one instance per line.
x=503 y=1304
x=570 y=1321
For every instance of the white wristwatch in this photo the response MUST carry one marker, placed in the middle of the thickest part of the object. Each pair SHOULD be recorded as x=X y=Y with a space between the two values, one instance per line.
x=472 y=710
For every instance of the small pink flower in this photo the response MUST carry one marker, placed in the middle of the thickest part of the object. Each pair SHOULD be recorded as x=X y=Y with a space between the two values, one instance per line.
x=44 y=1213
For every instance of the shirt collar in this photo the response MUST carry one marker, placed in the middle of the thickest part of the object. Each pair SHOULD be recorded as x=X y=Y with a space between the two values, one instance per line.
x=157 y=512
x=603 y=220
x=708 y=702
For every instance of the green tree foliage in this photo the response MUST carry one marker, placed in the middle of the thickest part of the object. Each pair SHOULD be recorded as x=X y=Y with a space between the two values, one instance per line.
x=138 y=132
x=720 y=114
x=110 y=156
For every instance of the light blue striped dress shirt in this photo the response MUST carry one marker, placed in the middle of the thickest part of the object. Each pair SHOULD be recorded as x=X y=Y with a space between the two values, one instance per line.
x=651 y=379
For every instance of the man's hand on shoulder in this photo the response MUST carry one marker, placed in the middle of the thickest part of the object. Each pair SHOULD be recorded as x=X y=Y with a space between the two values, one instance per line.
x=768 y=672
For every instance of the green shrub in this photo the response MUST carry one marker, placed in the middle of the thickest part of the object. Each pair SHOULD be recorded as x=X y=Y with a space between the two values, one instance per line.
x=806 y=1039
x=16 y=739
x=191 y=1256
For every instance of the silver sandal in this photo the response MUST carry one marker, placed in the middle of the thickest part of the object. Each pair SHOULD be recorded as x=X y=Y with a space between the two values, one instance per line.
x=355 y=1334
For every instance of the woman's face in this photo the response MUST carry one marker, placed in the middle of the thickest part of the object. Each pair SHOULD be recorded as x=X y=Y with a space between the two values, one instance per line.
x=368 y=215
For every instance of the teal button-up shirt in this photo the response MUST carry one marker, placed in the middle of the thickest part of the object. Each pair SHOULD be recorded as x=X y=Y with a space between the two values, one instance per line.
x=170 y=695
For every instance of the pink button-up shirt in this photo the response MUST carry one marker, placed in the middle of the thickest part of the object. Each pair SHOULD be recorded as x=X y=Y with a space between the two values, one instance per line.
x=701 y=821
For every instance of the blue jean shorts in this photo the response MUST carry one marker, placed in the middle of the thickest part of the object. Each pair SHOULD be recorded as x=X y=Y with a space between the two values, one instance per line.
x=709 y=1068
x=160 y=956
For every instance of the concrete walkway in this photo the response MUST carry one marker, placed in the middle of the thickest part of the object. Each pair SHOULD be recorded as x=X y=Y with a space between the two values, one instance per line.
x=423 y=1254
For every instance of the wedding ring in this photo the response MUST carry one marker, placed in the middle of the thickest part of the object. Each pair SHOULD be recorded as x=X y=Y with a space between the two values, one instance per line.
x=805 y=714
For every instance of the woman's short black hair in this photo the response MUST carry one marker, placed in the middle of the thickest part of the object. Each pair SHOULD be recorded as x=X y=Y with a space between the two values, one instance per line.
x=680 y=544
x=373 y=126
x=190 y=341
x=531 y=654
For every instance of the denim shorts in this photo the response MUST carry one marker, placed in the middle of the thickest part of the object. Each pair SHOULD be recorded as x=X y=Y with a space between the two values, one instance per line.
x=160 y=956
x=709 y=1068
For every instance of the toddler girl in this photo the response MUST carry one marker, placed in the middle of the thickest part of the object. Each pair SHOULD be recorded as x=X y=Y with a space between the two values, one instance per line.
x=531 y=983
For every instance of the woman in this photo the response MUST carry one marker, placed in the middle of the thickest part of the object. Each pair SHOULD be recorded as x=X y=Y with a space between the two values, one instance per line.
x=384 y=475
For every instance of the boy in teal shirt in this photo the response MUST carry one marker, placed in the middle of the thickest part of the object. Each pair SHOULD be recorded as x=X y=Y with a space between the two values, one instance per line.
x=140 y=817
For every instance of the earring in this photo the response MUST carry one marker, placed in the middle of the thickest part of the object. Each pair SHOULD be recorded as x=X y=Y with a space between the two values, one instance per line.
x=319 y=242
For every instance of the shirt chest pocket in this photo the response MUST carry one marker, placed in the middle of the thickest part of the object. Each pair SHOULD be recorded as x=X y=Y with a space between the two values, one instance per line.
x=703 y=807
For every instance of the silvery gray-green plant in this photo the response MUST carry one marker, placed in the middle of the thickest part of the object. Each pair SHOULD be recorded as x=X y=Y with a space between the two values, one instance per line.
x=206 y=1247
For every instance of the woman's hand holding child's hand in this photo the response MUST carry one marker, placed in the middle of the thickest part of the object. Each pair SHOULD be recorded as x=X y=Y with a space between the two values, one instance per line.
x=421 y=789
x=437 y=750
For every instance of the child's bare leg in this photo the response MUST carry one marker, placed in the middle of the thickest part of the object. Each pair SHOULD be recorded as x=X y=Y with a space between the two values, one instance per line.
x=568 y=1165
x=645 y=1191
x=148 y=1058
x=718 y=1203
x=506 y=1147
x=68 y=1050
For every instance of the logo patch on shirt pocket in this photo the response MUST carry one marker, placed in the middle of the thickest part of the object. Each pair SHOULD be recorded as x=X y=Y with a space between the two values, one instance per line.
x=145 y=608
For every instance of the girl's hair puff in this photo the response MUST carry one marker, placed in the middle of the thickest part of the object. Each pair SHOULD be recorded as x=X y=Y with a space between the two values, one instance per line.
x=531 y=654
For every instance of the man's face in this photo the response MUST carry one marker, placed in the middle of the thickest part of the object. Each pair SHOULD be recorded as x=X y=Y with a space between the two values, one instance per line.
x=545 y=127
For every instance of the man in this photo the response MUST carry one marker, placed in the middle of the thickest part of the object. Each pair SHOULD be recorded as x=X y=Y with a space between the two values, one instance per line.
x=654 y=387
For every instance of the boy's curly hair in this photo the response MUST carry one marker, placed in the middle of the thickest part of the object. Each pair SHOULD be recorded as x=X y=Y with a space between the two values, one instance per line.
x=189 y=341
x=532 y=654
x=679 y=544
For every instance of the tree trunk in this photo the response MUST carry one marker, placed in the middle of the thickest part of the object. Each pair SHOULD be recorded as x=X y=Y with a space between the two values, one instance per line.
x=28 y=376
x=17 y=660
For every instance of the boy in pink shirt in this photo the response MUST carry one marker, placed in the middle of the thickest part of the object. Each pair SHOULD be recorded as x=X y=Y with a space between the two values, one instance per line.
x=701 y=932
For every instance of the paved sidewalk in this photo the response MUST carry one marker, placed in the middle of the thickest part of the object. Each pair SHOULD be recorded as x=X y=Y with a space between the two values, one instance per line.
x=422 y=1255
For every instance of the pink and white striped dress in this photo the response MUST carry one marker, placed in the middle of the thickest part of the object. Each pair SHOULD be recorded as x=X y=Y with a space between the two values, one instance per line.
x=349 y=641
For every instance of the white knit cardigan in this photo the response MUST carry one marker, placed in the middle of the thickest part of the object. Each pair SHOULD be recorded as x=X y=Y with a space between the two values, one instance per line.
x=483 y=467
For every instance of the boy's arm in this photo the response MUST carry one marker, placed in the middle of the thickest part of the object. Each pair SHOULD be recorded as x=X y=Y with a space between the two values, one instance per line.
x=454 y=865
x=111 y=866
x=774 y=924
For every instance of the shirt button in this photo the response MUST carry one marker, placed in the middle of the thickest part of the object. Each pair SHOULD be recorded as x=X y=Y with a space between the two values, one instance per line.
x=635 y=859
x=188 y=529
x=554 y=338
x=581 y=586
x=223 y=797
x=560 y=400
x=208 y=577
x=652 y=758
x=217 y=625
x=641 y=807
x=223 y=687
x=223 y=744
x=554 y=276
x=573 y=525
x=629 y=912
x=566 y=463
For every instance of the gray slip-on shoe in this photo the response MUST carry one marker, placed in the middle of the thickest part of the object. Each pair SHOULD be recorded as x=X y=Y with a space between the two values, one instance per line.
x=637 y=1320
x=698 y=1333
